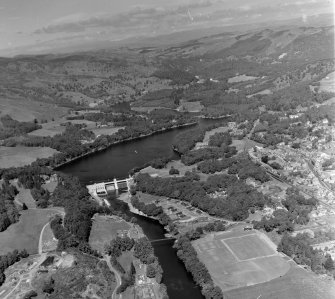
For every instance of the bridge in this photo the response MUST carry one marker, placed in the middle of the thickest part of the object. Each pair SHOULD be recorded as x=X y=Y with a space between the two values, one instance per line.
x=159 y=240
x=101 y=189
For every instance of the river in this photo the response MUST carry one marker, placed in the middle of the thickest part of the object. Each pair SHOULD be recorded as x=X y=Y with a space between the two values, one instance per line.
x=116 y=162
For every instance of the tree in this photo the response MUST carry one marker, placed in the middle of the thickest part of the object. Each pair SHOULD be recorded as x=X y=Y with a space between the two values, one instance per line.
x=329 y=263
x=173 y=171
x=48 y=286
x=151 y=271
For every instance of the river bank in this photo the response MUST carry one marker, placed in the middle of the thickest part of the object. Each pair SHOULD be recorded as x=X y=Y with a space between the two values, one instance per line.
x=116 y=162
x=101 y=149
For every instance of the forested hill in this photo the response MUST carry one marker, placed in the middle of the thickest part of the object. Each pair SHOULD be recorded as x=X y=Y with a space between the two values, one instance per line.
x=108 y=76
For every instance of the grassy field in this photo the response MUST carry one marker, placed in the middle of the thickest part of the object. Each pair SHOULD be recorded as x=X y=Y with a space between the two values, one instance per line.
x=190 y=106
x=24 y=196
x=27 y=110
x=20 y=156
x=49 y=243
x=164 y=172
x=254 y=249
x=105 y=229
x=208 y=134
x=297 y=283
x=55 y=127
x=126 y=259
x=25 y=233
x=327 y=84
x=106 y=131
x=240 y=258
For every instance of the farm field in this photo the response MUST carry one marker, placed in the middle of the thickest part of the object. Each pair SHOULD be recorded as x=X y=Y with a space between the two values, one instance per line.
x=208 y=134
x=106 y=131
x=164 y=172
x=104 y=229
x=24 y=196
x=25 y=233
x=20 y=156
x=190 y=106
x=28 y=110
x=241 y=78
x=327 y=84
x=57 y=127
x=240 y=258
x=297 y=283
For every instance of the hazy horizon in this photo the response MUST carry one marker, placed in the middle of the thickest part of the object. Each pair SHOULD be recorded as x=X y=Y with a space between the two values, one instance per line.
x=45 y=26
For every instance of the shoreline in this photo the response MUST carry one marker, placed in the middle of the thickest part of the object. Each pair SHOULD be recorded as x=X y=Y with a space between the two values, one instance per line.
x=122 y=141
x=125 y=198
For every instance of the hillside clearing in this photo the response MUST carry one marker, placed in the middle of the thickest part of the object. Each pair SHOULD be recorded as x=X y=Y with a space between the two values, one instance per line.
x=25 y=233
x=21 y=155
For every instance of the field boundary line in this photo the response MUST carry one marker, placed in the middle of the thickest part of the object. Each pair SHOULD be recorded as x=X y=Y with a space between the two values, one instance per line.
x=230 y=250
x=260 y=257
x=223 y=239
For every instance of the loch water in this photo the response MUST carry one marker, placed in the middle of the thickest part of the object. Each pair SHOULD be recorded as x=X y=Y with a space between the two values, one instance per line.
x=116 y=162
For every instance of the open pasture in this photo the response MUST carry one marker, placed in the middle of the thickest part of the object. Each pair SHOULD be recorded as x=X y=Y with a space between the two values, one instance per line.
x=208 y=134
x=28 y=110
x=25 y=234
x=240 y=258
x=195 y=106
x=104 y=229
x=297 y=283
x=21 y=155
x=58 y=127
x=327 y=84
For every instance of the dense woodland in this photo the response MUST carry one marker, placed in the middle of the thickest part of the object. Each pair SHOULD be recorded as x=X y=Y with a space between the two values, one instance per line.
x=9 y=213
x=200 y=274
x=300 y=249
x=155 y=211
x=235 y=205
x=283 y=220
x=11 y=127
x=142 y=249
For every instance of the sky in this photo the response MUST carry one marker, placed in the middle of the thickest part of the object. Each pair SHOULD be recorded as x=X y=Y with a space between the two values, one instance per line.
x=28 y=26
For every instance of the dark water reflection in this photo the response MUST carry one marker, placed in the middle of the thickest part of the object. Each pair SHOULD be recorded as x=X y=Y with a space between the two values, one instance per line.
x=116 y=162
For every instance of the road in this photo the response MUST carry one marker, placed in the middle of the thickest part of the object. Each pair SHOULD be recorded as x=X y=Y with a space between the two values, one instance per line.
x=40 y=241
x=117 y=276
x=247 y=138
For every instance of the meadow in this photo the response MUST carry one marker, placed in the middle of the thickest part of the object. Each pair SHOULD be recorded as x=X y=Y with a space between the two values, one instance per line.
x=57 y=127
x=297 y=283
x=240 y=258
x=22 y=109
x=24 y=196
x=104 y=229
x=25 y=233
x=21 y=155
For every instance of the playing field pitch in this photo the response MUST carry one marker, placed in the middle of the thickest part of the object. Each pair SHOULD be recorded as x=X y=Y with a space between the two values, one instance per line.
x=240 y=258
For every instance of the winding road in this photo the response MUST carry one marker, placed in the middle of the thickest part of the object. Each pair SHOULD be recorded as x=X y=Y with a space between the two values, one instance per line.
x=117 y=276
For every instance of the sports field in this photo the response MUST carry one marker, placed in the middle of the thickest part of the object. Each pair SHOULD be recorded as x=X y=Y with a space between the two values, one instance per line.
x=240 y=258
